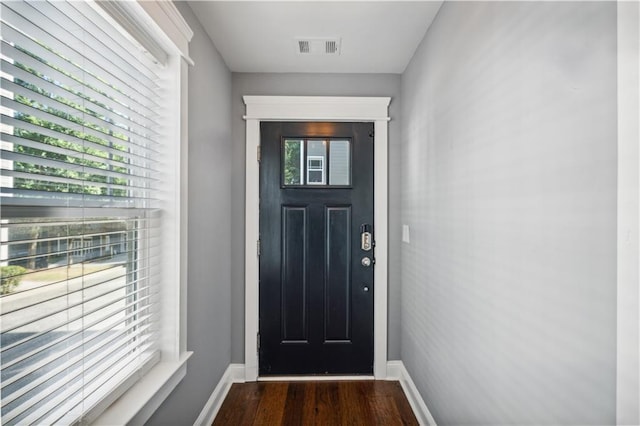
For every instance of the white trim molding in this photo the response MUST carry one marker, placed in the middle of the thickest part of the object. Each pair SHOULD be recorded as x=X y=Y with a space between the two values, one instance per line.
x=158 y=26
x=316 y=108
x=397 y=371
x=166 y=15
x=150 y=391
x=233 y=374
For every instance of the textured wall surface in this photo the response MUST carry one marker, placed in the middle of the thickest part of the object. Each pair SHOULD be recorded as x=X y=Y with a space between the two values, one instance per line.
x=209 y=288
x=509 y=188
x=313 y=85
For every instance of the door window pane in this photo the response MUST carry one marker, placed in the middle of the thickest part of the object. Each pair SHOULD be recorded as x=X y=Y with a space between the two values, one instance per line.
x=340 y=162
x=316 y=162
x=293 y=164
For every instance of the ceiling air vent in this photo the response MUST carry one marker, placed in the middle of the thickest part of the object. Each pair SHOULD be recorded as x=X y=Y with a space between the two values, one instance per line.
x=303 y=45
x=330 y=47
x=317 y=46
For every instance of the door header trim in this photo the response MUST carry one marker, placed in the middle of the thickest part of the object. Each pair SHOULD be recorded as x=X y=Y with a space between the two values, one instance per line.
x=316 y=108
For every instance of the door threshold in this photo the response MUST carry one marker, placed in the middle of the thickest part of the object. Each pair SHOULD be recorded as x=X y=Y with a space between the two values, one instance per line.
x=312 y=378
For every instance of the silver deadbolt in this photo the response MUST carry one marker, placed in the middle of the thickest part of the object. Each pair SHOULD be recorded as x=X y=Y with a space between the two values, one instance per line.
x=366 y=261
x=366 y=242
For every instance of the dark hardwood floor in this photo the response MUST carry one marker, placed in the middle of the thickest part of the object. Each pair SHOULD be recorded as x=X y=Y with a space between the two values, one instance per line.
x=316 y=403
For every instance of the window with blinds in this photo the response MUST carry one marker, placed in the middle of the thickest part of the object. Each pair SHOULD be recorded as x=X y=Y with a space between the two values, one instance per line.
x=79 y=239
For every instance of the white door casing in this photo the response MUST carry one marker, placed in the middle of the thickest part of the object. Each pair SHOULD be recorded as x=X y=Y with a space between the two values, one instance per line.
x=316 y=108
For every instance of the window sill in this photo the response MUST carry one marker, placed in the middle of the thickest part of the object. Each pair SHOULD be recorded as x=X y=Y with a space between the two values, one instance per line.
x=141 y=400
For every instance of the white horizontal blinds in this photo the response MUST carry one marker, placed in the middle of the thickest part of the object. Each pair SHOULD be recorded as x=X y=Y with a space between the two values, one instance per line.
x=80 y=105
x=81 y=314
x=80 y=229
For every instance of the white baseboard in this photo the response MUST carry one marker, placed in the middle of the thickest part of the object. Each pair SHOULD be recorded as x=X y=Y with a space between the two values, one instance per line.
x=395 y=371
x=233 y=374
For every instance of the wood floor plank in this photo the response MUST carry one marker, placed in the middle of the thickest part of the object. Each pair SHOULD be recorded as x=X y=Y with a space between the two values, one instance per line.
x=354 y=403
x=385 y=411
x=248 y=412
x=271 y=407
x=235 y=399
x=322 y=403
x=327 y=407
x=387 y=388
x=402 y=403
x=295 y=404
x=310 y=410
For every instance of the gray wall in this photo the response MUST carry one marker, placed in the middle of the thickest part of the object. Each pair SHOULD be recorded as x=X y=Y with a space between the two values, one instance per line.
x=628 y=386
x=209 y=288
x=312 y=85
x=509 y=189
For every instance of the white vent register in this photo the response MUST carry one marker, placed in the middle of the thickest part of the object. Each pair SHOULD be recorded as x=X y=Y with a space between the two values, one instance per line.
x=317 y=46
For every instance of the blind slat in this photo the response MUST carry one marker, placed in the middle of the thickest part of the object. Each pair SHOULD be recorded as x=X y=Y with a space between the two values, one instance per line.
x=56 y=133
x=122 y=371
x=75 y=107
x=9 y=398
x=49 y=118
x=50 y=180
x=124 y=309
x=116 y=352
x=76 y=235
x=36 y=317
x=44 y=62
x=107 y=44
x=90 y=168
x=70 y=306
x=61 y=40
x=62 y=89
x=94 y=94
x=29 y=197
x=23 y=372
x=130 y=158
x=31 y=158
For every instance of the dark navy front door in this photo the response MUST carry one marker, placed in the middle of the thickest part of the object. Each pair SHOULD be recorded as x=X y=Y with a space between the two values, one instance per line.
x=316 y=248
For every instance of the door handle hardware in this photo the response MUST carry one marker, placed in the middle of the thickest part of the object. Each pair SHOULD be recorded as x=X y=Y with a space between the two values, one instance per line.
x=366 y=241
x=366 y=261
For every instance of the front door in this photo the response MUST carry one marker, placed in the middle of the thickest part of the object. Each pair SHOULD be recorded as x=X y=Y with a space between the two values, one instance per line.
x=316 y=248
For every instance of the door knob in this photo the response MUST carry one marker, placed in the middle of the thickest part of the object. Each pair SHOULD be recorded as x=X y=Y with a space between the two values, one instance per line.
x=366 y=261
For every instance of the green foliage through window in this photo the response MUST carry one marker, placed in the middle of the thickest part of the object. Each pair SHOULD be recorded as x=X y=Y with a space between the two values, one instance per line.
x=292 y=156
x=80 y=156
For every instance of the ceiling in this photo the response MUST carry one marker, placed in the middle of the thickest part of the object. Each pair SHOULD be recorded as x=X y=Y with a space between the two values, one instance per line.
x=260 y=36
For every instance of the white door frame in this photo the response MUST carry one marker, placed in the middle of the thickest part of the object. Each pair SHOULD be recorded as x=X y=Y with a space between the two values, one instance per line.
x=316 y=108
